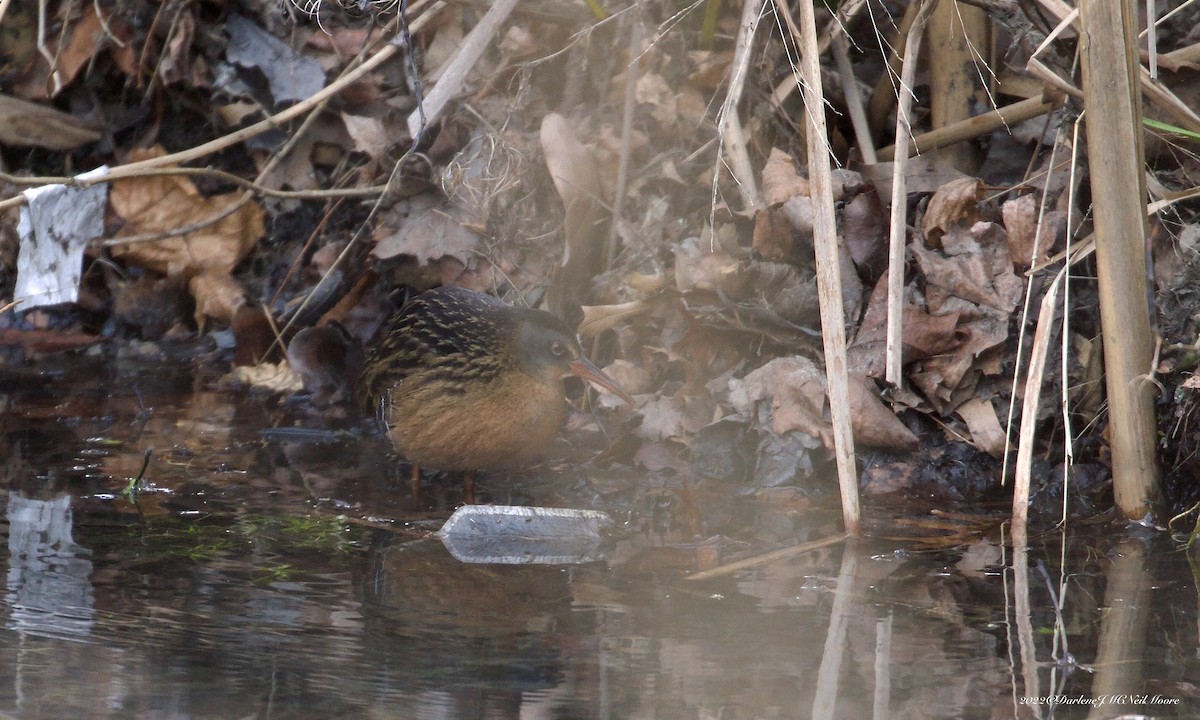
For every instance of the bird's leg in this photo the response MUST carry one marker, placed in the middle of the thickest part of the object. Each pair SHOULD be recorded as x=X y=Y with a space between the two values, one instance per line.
x=416 y=481
x=469 y=487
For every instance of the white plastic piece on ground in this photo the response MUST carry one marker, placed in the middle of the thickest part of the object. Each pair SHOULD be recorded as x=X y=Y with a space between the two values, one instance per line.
x=54 y=229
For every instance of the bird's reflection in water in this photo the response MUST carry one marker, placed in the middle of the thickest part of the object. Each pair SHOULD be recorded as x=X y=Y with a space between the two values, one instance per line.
x=463 y=641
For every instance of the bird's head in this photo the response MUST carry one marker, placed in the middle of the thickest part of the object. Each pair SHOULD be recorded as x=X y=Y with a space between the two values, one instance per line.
x=545 y=346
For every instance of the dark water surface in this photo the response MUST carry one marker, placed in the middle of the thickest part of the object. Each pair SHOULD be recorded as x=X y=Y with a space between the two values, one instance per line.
x=257 y=578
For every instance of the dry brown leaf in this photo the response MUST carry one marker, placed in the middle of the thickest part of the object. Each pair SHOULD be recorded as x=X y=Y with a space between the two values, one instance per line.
x=654 y=91
x=82 y=41
x=774 y=239
x=26 y=124
x=235 y=113
x=166 y=203
x=780 y=180
x=659 y=456
x=874 y=424
x=680 y=416
x=865 y=229
x=571 y=166
x=985 y=428
x=799 y=211
x=1020 y=220
x=217 y=295
x=368 y=134
x=711 y=68
x=699 y=269
x=345 y=42
x=949 y=380
x=176 y=61
x=518 y=42
x=975 y=268
x=425 y=227
x=924 y=335
x=955 y=203
x=634 y=378
x=573 y=170
x=598 y=318
x=275 y=378
x=693 y=106
x=796 y=389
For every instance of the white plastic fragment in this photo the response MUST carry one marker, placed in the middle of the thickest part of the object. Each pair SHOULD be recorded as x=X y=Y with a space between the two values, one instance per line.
x=54 y=228
x=516 y=535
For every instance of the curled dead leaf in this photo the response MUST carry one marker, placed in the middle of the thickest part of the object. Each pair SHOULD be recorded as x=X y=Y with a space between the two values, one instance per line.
x=865 y=229
x=573 y=170
x=986 y=432
x=774 y=238
x=697 y=268
x=598 y=318
x=370 y=136
x=795 y=387
x=975 y=268
x=1026 y=244
x=924 y=335
x=73 y=48
x=267 y=376
x=635 y=379
x=955 y=203
x=26 y=124
x=653 y=90
x=780 y=180
x=875 y=424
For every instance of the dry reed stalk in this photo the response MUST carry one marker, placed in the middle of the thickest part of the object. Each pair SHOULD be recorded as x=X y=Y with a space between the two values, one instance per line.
x=729 y=125
x=854 y=101
x=765 y=558
x=898 y=234
x=959 y=38
x=1033 y=395
x=980 y=125
x=829 y=279
x=1113 y=114
x=455 y=74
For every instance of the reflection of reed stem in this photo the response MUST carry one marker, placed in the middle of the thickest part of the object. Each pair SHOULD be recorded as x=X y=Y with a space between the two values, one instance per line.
x=1122 y=630
x=825 y=701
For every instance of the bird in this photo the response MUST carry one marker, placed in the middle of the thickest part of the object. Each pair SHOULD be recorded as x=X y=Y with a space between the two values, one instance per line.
x=465 y=382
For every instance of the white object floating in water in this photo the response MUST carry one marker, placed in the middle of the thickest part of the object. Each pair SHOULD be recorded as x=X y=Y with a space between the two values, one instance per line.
x=514 y=535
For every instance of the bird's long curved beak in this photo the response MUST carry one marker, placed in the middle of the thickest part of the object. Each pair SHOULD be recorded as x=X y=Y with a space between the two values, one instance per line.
x=586 y=369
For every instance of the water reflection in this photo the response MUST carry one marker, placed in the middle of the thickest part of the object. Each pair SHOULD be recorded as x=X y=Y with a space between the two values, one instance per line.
x=274 y=580
x=49 y=590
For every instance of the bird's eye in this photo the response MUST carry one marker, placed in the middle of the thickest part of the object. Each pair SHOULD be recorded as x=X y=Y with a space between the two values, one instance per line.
x=557 y=349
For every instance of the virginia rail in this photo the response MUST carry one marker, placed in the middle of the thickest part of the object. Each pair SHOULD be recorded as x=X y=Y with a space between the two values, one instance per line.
x=464 y=382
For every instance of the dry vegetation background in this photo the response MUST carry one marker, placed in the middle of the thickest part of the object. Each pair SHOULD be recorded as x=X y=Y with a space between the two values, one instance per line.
x=636 y=167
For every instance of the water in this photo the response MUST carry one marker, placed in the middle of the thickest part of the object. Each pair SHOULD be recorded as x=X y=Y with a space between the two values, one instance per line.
x=268 y=579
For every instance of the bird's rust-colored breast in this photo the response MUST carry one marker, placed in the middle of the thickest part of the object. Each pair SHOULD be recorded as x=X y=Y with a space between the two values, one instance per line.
x=504 y=424
x=447 y=385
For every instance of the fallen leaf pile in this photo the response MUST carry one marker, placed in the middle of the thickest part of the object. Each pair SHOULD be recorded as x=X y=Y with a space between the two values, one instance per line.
x=606 y=196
